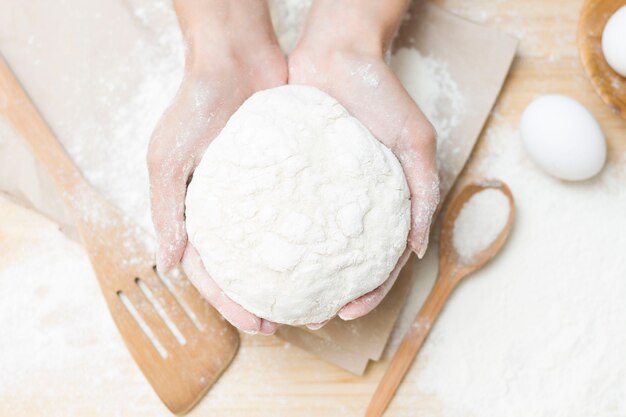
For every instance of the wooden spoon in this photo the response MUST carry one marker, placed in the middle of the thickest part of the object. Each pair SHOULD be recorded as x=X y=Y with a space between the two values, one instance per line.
x=180 y=343
x=608 y=84
x=452 y=269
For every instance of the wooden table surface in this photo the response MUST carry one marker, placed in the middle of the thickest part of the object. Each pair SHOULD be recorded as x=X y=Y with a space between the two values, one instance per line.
x=269 y=377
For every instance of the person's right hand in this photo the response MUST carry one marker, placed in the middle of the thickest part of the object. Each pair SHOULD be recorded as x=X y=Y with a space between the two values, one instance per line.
x=231 y=53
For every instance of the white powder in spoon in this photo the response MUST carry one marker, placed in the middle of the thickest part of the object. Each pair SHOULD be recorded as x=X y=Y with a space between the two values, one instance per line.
x=479 y=223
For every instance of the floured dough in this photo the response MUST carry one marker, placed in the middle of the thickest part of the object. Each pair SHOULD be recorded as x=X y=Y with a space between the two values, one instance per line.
x=296 y=209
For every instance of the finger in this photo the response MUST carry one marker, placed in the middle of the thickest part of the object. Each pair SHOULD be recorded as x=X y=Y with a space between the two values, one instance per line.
x=233 y=312
x=424 y=202
x=317 y=326
x=268 y=327
x=367 y=302
x=175 y=148
x=168 y=186
x=416 y=152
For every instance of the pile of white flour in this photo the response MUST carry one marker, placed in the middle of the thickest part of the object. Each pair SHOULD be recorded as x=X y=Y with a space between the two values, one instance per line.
x=479 y=223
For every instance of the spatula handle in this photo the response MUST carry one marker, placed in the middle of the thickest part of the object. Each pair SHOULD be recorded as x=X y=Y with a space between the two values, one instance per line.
x=411 y=344
x=20 y=111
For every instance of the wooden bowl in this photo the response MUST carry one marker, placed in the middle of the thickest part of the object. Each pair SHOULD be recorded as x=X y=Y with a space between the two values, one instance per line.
x=608 y=84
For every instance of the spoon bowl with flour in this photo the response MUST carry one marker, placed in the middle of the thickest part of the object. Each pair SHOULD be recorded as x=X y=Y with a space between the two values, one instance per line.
x=474 y=229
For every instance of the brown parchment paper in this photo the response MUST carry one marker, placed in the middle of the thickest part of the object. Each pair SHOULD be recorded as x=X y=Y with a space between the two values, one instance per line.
x=478 y=59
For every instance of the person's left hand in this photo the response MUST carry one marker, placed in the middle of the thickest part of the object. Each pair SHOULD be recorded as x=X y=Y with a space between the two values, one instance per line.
x=369 y=90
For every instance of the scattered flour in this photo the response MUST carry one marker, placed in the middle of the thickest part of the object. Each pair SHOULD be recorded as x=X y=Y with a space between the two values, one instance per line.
x=479 y=222
x=539 y=331
x=430 y=84
x=58 y=339
x=369 y=76
x=288 y=18
x=114 y=83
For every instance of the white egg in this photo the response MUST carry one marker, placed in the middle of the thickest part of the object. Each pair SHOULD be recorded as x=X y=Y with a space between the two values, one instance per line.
x=614 y=41
x=563 y=138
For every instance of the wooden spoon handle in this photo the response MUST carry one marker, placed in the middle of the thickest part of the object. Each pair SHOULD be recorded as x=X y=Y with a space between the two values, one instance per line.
x=411 y=344
x=20 y=111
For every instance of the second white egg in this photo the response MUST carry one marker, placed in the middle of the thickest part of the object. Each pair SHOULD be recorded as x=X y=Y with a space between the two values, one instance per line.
x=563 y=138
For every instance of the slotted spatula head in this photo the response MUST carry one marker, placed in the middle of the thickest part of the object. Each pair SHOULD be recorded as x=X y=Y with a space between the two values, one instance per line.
x=180 y=343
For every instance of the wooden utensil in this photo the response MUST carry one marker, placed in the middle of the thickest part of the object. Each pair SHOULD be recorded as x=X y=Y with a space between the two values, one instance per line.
x=608 y=84
x=180 y=343
x=452 y=269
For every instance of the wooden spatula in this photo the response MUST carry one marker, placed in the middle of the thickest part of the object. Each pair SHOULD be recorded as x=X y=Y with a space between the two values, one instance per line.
x=452 y=269
x=180 y=343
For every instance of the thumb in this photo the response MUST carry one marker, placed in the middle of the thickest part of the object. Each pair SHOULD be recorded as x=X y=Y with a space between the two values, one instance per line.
x=418 y=156
x=168 y=187
x=424 y=202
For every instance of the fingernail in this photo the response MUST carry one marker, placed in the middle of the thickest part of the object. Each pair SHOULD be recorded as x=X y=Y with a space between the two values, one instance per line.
x=265 y=326
x=346 y=317
x=250 y=331
x=160 y=261
x=421 y=251
x=163 y=260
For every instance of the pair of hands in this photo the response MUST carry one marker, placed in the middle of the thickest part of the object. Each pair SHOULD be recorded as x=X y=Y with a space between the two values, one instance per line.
x=223 y=69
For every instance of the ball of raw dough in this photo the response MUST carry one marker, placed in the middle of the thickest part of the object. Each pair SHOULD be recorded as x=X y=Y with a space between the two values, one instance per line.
x=296 y=209
x=563 y=138
x=614 y=41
